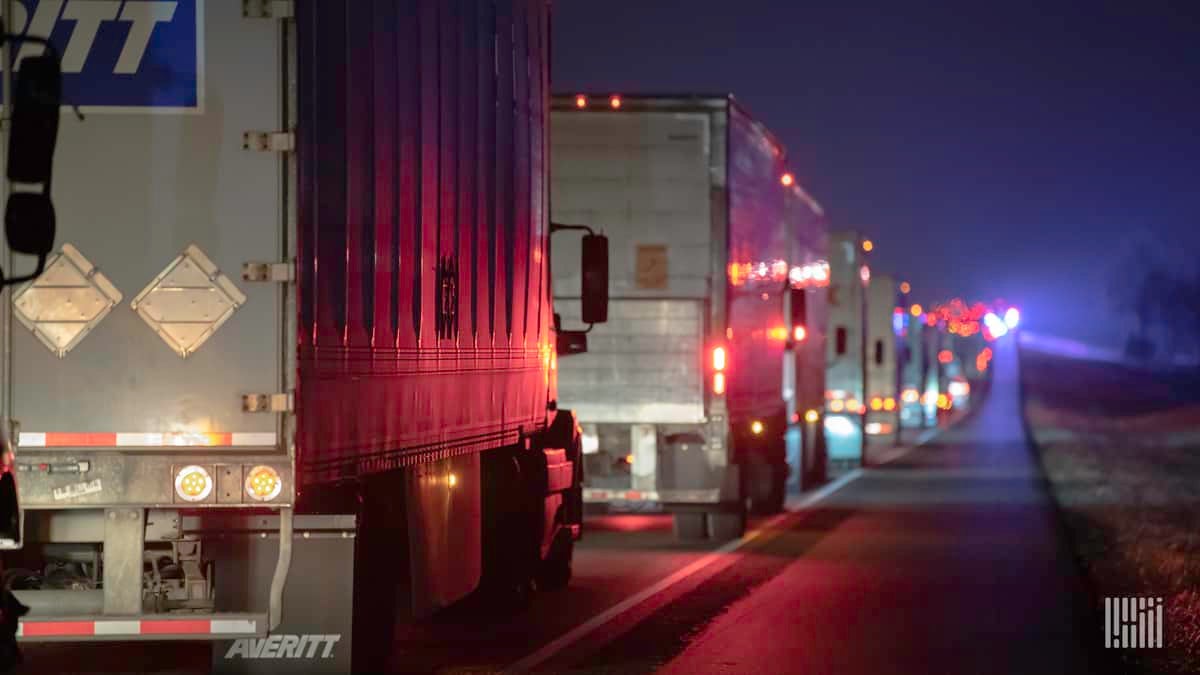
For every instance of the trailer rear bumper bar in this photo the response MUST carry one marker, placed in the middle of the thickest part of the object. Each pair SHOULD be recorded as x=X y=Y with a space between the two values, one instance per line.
x=144 y=627
x=707 y=496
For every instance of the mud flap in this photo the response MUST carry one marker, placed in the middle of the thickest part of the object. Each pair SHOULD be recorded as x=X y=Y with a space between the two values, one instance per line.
x=315 y=634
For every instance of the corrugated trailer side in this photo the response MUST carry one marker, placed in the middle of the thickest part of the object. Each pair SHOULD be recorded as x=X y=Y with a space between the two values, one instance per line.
x=425 y=352
x=424 y=320
x=777 y=240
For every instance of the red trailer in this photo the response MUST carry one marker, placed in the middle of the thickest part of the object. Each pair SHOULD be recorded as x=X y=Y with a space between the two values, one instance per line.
x=357 y=427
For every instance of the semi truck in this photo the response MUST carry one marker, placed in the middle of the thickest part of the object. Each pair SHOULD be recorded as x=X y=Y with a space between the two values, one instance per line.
x=289 y=377
x=845 y=377
x=712 y=358
x=884 y=325
x=918 y=384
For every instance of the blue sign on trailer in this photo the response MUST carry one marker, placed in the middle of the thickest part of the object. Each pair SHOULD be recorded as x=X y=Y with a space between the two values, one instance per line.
x=122 y=55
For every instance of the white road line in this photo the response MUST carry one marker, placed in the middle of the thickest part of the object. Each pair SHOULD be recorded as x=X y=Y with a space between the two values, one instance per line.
x=579 y=632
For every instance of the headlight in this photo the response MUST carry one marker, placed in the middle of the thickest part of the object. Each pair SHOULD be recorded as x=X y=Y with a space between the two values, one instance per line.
x=193 y=483
x=263 y=484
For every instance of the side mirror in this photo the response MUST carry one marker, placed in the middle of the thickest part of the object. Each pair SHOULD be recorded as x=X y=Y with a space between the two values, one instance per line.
x=594 y=300
x=29 y=220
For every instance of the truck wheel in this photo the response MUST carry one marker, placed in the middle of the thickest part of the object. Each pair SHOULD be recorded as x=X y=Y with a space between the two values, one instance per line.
x=690 y=526
x=554 y=573
x=726 y=526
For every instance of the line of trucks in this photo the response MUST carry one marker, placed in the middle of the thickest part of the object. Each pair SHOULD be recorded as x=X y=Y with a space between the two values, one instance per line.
x=304 y=364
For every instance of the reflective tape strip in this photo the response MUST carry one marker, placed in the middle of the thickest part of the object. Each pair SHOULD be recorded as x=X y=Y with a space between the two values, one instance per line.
x=57 y=629
x=166 y=627
x=253 y=439
x=118 y=627
x=176 y=627
x=598 y=495
x=233 y=626
x=56 y=439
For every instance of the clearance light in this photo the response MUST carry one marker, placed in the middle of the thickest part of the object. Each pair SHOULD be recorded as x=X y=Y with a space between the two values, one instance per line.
x=719 y=384
x=777 y=333
x=452 y=480
x=876 y=404
x=868 y=245
x=811 y=416
x=905 y=287
x=718 y=359
x=945 y=356
x=864 y=273
x=756 y=428
x=798 y=333
x=836 y=405
x=581 y=101
x=263 y=484
x=889 y=404
x=787 y=179
x=629 y=460
x=193 y=484
x=852 y=405
x=915 y=310
x=910 y=396
x=943 y=401
x=615 y=102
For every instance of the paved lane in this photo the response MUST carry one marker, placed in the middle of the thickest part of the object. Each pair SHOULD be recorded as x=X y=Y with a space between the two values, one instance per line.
x=948 y=559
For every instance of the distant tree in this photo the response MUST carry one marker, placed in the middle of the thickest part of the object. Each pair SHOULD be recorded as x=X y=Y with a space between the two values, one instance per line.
x=1161 y=290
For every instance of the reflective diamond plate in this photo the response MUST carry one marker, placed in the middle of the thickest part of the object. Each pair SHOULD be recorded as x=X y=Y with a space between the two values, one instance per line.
x=66 y=302
x=188 y=302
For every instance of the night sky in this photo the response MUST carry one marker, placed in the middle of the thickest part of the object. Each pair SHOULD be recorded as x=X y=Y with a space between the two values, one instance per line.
x=991 y=149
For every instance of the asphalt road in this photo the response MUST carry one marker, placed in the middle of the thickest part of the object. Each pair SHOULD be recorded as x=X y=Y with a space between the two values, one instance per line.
x=946 y=559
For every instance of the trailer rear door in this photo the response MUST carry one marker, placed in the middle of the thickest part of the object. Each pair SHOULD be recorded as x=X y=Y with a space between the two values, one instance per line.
x=142 y=333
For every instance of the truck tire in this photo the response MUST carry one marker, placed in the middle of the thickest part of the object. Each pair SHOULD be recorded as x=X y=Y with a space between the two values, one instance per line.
x=726 y=525
x=554 y=573
x=690 y=526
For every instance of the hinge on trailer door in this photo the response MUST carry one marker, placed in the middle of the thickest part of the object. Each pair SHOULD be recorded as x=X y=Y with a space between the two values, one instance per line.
x=269 y=141
x=268 y=403
x=261 y=271
x=268 y=9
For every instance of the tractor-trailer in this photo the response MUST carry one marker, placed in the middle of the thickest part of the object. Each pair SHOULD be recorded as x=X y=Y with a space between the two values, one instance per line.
x=885 y=323
x=712 y=361
x=846 y=368
x=291 y=369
